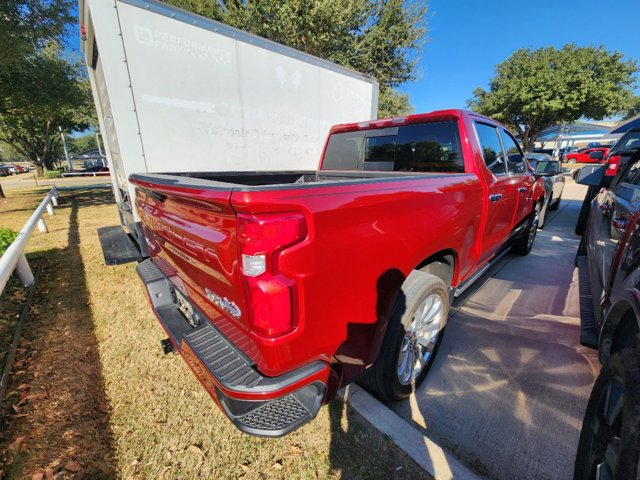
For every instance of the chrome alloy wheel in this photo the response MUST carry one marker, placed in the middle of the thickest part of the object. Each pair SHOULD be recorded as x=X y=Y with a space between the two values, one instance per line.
x=420 y=339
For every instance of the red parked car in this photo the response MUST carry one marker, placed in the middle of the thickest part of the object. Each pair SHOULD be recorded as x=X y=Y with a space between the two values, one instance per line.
x=589 y=155
x=277 y=288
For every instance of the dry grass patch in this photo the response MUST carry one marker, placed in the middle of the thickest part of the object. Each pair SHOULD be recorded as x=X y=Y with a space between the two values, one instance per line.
x=128 y=411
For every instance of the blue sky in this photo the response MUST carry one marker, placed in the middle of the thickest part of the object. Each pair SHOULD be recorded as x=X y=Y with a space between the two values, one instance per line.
x=468 y=38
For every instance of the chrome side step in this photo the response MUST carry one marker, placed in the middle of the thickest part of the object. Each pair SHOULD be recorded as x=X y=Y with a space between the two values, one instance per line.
x=468 y=282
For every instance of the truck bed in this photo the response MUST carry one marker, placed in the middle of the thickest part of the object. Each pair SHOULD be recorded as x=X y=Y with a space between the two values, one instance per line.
x=273 y=180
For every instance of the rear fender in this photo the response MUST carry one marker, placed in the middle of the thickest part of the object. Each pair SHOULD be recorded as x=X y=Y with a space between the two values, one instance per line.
x=538 y=191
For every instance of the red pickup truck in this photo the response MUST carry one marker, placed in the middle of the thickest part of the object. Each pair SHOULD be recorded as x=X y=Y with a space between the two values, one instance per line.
x=277 y=288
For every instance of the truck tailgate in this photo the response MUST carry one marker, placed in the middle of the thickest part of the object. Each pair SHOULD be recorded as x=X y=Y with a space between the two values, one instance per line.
x=191 y=235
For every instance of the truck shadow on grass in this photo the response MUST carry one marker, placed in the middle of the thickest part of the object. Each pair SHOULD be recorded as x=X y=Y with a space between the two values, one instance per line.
x=60 y=409
x=358 y=450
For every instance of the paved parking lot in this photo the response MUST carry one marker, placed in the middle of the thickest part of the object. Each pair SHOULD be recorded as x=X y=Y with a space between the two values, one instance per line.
x=509 y=387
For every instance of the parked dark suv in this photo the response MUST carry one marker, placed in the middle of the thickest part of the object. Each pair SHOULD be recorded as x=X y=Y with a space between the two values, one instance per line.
x=617 y=157
x=608 y=260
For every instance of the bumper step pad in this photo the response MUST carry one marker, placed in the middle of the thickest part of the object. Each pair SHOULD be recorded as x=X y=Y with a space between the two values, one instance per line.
x=588 y=330
x=230 y=367
x=276 y=415
x=117 y=246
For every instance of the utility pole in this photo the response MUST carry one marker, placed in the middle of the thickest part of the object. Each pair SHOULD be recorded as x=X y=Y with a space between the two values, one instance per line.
x=64 y=145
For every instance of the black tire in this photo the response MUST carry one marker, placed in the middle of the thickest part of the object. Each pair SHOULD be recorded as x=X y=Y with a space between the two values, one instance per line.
x=556 y=205
x=583 y=216
x=384 y=377
x=612 y=441
x=524 y=243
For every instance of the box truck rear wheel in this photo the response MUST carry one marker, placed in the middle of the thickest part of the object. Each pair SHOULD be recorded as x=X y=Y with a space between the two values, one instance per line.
x=412 y=338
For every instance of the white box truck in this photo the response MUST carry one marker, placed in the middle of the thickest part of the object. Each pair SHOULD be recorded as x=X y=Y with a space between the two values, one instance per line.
x=176 y=92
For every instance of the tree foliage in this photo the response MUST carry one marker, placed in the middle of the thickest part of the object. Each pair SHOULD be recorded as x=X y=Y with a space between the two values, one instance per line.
x=377 y=37
x=536 y=89
x=42 y=88
x=26 y=25
x=81 y=143
x=634 y=110
x=47 y=91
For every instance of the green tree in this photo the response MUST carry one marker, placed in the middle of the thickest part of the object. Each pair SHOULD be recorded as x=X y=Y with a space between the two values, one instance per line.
x=48 y=91
x=378 y=37
x=536 y=89
x=81 y=143
x=634 y=110
x=26 y=25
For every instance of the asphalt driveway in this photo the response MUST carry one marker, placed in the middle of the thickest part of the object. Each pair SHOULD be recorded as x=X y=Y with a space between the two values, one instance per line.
x=509 y=387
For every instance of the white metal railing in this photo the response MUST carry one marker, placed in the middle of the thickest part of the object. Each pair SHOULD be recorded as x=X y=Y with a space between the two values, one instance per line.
x=13 y=258
x=85 y=174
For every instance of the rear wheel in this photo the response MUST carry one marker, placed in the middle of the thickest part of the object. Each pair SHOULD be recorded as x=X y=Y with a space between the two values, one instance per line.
x=609 y=445
x=556 y=205
x=412 y=338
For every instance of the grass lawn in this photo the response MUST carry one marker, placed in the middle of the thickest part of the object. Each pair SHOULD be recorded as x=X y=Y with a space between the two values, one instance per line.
x=92 y=396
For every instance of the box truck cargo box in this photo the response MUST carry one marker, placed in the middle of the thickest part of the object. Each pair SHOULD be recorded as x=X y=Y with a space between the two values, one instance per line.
x=176 y=92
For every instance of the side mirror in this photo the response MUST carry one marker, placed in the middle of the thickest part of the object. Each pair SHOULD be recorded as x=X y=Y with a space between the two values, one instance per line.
x=590 y=175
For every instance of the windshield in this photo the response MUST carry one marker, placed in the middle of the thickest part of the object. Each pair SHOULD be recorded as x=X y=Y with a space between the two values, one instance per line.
x=547 y=167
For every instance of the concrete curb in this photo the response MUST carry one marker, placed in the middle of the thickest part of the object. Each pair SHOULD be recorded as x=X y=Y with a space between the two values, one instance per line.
x=437 y=461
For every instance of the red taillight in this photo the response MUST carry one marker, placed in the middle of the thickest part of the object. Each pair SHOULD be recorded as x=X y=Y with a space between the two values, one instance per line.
x=612 y=166
x=261 y=240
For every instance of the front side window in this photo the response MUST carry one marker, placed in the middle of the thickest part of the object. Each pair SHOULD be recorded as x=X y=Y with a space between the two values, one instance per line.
x=491 y=148
x=515 y=160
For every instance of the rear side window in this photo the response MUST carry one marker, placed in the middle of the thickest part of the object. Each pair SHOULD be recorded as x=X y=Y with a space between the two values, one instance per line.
x=427 y=147
x=491 y=148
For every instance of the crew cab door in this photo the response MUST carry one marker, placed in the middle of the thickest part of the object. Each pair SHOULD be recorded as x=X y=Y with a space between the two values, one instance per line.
x=520 y=175
x=614 y=208
x=502 y=191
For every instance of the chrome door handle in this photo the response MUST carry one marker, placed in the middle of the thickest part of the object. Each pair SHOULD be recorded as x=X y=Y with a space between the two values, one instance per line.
x=495 y=197
x=522 y=189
